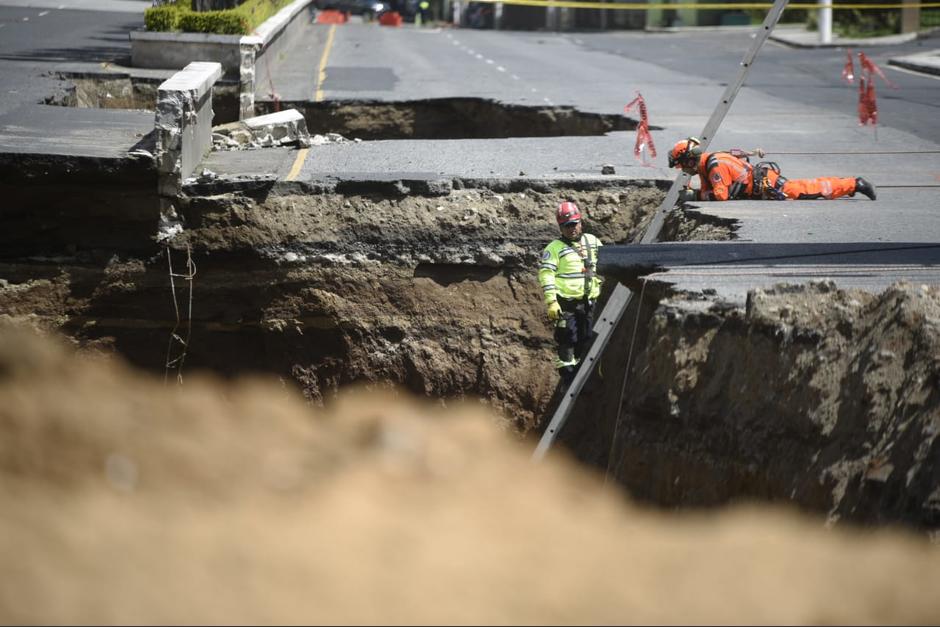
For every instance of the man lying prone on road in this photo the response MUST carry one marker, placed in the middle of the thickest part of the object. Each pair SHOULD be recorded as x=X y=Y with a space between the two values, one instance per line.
x=730 y=176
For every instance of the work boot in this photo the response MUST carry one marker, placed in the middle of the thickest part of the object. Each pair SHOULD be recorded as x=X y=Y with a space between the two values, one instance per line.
x=567 y=374
x=863 y=186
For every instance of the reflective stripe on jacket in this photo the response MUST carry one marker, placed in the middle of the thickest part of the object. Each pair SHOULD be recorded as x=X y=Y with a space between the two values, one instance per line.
x=562 y=269
x=724 y=176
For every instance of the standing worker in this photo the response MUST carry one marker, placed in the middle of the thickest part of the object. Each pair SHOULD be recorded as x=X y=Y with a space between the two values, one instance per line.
x=421 y=16
x=568 y=276
x=727 y=176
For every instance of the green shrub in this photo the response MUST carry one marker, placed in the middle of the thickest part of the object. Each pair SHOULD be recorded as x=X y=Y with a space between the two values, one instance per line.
x=257 y=11
x=875 y=22
x=238 y=21
x=162 y=18
x=218 y=22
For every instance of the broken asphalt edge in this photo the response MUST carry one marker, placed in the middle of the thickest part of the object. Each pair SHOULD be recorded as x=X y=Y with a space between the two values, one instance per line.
x=401 y=186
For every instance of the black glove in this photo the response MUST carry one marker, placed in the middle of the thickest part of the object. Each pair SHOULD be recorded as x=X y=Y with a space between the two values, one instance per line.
x=687 y=194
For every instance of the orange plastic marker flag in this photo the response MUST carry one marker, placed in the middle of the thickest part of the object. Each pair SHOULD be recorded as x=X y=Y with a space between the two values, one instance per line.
x=644 y=141
x=870 y=103
x=862 y=108
x=867 y=106
x=848 y=72
x=868 y=65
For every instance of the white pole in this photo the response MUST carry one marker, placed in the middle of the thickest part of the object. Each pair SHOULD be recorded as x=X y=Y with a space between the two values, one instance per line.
x=825 y=23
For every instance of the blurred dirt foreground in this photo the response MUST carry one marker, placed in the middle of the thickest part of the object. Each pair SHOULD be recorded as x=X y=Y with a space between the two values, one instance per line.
x=129 y=502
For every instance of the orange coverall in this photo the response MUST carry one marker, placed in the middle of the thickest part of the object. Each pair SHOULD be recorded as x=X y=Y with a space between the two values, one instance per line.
x=725 y=177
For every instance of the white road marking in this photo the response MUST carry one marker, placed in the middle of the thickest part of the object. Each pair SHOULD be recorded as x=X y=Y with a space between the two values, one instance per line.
x=907 y=71
x=120 y=6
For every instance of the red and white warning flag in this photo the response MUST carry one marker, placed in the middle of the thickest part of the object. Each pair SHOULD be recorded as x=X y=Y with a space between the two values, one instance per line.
x=867 y=103
x=644 y=149
x=848 y=72
x=867 y=106
x=867 y=65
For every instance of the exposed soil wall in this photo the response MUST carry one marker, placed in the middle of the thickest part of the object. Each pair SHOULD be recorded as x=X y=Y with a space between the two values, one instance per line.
x=434 y=293
x=812 y=395
x=59 y=205
x=128 y=502
x=120 y=91
x=448 y=118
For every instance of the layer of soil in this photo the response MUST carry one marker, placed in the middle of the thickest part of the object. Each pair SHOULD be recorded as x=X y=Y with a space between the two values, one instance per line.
x=826 y=398
x=434 y=293
x=811 y=396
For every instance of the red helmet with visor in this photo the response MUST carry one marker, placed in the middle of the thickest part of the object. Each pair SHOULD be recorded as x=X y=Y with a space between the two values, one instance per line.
x=568 y=213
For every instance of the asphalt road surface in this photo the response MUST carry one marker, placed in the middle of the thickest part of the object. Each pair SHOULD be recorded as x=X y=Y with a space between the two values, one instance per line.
x=794 y=105
x=38 y=36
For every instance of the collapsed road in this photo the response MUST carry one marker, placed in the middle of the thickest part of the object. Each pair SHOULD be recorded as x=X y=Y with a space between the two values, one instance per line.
x=412 y=263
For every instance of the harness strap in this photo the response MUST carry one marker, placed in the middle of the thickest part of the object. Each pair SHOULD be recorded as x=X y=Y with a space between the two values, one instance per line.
x=761 y=187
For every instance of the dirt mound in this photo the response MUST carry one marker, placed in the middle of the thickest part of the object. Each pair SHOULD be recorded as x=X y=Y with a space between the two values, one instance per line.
x=127 y=502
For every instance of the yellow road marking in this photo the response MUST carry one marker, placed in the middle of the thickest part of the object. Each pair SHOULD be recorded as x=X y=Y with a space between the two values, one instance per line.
x=298 y=164
x=321 y=76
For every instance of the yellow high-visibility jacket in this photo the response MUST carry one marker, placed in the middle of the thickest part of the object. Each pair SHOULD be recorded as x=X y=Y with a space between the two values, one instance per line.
x=563 y=267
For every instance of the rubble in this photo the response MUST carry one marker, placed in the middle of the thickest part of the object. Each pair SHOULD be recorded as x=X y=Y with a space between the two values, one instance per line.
x=284 y=128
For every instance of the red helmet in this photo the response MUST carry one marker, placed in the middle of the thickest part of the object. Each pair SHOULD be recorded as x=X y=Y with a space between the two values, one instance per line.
x=568 y=212
x=685 y=151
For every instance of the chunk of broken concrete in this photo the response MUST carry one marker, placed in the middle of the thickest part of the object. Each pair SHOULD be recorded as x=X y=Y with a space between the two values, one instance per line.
x=282 y=128
x=283 y=125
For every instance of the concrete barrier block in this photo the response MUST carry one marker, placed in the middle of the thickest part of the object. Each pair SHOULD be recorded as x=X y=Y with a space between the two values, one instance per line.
x=237 y=54
x=183 y=122
x=283 y=124
x=274 y=129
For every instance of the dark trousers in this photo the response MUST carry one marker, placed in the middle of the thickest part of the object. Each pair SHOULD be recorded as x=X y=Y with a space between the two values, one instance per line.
x=573 y=334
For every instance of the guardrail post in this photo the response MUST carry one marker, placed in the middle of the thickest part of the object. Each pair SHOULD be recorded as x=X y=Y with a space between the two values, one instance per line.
x=825 y=23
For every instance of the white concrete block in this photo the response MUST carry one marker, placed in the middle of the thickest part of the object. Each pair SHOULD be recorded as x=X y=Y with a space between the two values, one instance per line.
x=288 y=116
x=196 y=78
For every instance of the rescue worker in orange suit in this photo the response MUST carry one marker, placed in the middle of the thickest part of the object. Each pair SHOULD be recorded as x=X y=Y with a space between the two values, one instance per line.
x=570 y=285
x=731 y=176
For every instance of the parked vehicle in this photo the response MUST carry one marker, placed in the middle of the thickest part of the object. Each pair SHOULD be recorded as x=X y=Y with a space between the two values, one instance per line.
x=367 y=8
